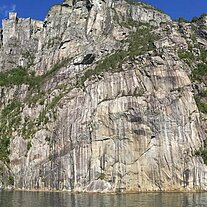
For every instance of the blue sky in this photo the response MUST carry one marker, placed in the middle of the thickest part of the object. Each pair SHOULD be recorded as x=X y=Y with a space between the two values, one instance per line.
x=180 y=8
x=37 y=9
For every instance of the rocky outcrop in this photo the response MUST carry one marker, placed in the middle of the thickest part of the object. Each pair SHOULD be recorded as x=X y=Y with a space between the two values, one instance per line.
x=103 y=101
x=18 y=33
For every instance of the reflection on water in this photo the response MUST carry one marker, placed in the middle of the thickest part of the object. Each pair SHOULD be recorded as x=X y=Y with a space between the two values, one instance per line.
x=51 y=199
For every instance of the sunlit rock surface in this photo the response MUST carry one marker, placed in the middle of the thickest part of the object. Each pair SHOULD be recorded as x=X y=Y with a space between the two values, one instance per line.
x=102 y=117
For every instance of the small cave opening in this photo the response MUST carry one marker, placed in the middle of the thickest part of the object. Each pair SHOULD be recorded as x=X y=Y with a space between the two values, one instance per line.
x=87 y=60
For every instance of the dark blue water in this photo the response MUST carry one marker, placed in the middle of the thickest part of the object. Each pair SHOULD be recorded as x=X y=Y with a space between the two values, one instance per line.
x=63 y=199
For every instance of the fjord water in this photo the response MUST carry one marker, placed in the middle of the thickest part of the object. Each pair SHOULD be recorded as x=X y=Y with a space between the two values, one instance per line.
x=63 y=199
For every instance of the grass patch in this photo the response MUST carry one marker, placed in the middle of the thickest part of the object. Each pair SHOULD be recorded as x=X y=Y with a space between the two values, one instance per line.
x=200 y=72
x=55 y=69
x=20 y=76
x=110 y=63
x=203 y=153
x=33 y=99
x=28 y=129
x=202 y=106
x=55 y=101
x=4 y=148
x=11 y=180
x=203 y=93
x=142 y=40
x=13 y=106
x=187 y=56
x=29 y=145
x=16 y=76
x=203 y=54
x=197 y=62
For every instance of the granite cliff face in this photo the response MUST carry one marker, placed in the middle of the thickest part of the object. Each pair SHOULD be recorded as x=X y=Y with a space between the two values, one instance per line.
x=103 y=96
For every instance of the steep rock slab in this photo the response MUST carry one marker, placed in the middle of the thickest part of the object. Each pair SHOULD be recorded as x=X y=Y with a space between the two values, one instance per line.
x=112 y=108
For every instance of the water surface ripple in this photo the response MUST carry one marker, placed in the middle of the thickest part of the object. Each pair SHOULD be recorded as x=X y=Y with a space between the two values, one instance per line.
x=64 y=199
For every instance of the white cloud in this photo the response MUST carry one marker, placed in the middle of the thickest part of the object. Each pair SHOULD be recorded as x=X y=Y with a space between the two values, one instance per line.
x=5 y=9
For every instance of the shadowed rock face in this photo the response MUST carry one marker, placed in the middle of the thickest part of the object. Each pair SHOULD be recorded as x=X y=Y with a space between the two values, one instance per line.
x=111 y=107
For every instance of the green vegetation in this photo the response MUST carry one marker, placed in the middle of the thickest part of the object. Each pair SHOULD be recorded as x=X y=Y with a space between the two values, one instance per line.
x=50 y=108
x=35 y=98
x=16 y=76
x=203 y=94
x=13 y=106
x=197 y=62
x=187 y=56
x=200 y=72
x=11 y=180
x=20 y=76
x=11 y=114
x=203 y=152
x=110 y=63
x=29 y=128
x=128 y=23
x=10 y=117
x=202 y=106
x=181 y=19
x=48 y=113
x=55 y=101
x=29 y=145
x=139 y=42
x=101 y=176
x=4 y=148
x=113 y=62
x=144 y=5
x=10 y=120
x=42 y=118
x=55 y=69
x=142 y=40
x=203 y=54
x=196 y=19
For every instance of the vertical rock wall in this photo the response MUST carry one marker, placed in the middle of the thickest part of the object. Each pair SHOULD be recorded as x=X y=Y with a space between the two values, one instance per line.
x=129 y=125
